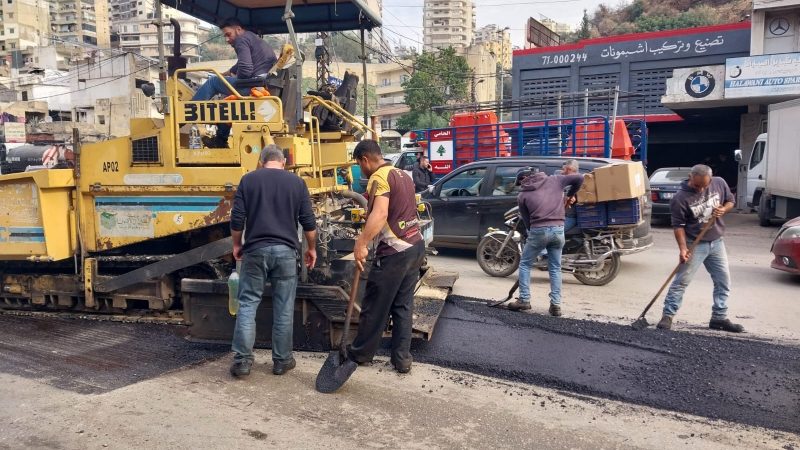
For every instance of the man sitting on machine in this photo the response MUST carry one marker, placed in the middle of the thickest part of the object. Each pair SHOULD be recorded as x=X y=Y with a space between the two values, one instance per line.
x=255 y=59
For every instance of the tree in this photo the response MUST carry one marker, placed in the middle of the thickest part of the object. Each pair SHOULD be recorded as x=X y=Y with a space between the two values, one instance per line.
x=438 y=79
x=420 y=120
x=585 y=32
x=216 y=48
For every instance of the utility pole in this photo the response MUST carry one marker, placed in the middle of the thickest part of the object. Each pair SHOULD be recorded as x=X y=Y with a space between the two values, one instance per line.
x=500 y=68
x=162 y=71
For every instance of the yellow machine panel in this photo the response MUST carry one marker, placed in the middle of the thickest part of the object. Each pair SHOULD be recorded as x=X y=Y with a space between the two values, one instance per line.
x=37 y=220
x=296 y=149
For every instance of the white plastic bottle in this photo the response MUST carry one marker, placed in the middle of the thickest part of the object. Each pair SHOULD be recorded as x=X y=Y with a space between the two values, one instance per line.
x=233 y=290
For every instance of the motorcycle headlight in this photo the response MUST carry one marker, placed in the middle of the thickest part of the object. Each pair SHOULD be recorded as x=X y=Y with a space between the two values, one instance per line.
x=510 y=222
x=789 y=233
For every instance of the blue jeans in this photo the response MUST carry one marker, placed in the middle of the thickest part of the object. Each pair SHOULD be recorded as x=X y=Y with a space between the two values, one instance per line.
x=542 y=238
x=715 y=258
x=209 y=89
x=278 y=265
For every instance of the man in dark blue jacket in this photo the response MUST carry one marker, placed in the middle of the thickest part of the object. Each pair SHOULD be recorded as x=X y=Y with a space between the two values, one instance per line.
x=541 y=207
x=269 y=203
x=255 y=58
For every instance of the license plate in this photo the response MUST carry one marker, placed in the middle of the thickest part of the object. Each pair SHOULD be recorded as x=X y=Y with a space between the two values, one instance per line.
x=667 y=195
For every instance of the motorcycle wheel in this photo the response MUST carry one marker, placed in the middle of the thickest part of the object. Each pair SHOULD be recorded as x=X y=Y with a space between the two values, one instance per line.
x=609 y=271
x=505 y=265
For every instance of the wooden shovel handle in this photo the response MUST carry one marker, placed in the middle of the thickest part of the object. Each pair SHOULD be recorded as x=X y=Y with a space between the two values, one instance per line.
x=703 y=231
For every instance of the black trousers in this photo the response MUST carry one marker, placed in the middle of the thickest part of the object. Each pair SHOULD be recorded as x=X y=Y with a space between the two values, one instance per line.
x=389 y=291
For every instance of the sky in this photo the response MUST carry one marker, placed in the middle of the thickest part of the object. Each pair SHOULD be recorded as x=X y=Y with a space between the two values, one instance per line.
x=402 y=19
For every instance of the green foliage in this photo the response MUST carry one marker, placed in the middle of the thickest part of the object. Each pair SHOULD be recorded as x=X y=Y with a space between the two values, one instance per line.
x=686 y=19
x=584 y=32
x=216 y=48
x=438 y=79
x=419 y=120
x=656 y=15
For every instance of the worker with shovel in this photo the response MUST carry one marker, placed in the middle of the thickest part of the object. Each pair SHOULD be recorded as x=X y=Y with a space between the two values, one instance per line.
x=393 y=275
x=702 y=198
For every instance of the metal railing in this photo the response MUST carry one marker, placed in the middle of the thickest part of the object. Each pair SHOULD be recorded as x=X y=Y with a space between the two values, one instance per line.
x=588 y=136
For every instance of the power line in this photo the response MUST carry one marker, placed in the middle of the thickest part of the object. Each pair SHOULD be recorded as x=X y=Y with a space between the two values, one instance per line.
x=478 y=76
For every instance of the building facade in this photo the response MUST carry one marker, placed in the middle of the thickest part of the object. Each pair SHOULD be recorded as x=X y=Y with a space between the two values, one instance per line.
x=749 y=84
x=389 y=90
x=640 y=66
x=498 y=41
x=83 y=22
x=448 y=23
x=23 y=27
x=558 y=27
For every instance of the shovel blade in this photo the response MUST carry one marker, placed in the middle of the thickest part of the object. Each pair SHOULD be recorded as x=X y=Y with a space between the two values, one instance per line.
x=334 y=373
x=640 y=324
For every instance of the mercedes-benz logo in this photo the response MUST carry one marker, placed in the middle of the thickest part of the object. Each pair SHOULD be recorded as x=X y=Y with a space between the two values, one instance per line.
x=779 y=26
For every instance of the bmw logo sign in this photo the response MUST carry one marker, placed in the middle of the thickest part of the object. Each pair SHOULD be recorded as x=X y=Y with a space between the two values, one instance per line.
x=699 y=83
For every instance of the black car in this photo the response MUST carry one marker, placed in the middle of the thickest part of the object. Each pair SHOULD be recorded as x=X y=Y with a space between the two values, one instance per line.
x=664 y=183
x=474 y=197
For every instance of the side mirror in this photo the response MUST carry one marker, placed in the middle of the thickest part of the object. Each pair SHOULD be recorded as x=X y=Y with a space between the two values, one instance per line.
x=737 y=155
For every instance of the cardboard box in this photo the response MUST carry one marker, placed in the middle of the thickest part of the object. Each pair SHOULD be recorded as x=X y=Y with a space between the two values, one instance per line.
x=620 y=181
x=587 y=194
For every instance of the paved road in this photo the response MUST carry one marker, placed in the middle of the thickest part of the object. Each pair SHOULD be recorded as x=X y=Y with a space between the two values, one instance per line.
x=764 y=300
x=719 y=377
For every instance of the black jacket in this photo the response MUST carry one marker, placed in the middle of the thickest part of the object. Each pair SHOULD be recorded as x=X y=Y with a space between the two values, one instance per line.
x=422 y=177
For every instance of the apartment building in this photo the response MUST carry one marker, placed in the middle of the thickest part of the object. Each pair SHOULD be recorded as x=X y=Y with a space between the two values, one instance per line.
x=83 y=22
x=133 y=29
x=557 y=27
x=389 y=90
x=448 y=23
x=23 y=26
x=497 y=41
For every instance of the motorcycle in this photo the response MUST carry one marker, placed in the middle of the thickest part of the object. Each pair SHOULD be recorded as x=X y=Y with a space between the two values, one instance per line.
x=592 y=256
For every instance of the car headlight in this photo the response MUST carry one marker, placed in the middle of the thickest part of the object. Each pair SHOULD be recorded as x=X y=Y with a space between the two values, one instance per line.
x=789 y=233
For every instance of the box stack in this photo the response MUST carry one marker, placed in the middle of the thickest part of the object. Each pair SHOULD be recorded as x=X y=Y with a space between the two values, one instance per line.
x=619 y=188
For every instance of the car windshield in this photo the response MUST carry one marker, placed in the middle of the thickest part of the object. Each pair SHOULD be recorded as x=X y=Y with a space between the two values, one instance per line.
x=671 y=175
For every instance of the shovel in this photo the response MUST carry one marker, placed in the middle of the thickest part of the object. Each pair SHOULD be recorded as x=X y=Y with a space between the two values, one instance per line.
x=510 y=294
x=334 y=373
x=641 y=322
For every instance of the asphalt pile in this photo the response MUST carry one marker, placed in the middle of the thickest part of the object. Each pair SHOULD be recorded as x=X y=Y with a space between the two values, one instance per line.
x=719 y=376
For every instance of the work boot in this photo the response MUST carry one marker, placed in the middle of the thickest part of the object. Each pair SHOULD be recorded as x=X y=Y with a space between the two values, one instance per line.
x=725 y=325
x=555 y=310
x=280 y=368
x=214 y=142
x=241 y=369
x=665 y=323
x=402 y=367
x=519 y=305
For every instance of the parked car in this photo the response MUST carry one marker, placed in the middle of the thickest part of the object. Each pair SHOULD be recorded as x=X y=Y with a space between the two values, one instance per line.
x=474 y=197
x=400 y=160
x=664 y=183
x=786 y=247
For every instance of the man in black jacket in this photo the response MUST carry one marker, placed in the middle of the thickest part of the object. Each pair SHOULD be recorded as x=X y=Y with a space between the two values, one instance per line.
x=422 y=173
x=269 y=203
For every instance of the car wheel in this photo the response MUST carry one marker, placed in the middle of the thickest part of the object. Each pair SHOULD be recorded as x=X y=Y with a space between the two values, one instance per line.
x=605 y=275
x=764 y=213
